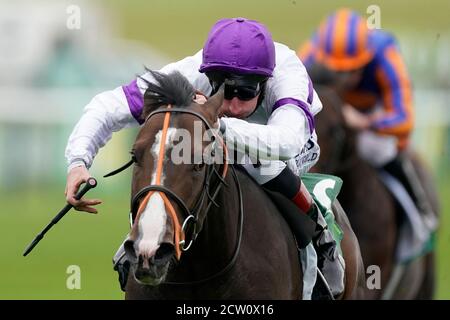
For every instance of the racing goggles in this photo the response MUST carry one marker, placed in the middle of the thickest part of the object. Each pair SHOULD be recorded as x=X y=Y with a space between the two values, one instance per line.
x=244 y=93
x=244 y=87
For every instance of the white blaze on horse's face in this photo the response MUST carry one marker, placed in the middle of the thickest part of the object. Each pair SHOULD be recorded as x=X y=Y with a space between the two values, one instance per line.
x=152 y=222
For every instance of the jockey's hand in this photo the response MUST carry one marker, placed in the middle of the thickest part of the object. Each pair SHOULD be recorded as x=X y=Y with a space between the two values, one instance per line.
x=355 y=119
x=75 y=178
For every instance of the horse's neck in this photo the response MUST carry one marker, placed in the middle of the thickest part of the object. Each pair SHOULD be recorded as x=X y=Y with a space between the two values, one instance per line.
x=360 y=179
x=212 y=253
x=216 y=242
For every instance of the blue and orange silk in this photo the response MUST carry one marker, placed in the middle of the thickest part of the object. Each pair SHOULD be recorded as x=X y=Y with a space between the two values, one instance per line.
x=338 y=45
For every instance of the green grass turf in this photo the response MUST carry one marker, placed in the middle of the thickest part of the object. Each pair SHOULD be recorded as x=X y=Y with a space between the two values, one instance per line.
x=89 y=241
x=443 y=243
x=179 y=28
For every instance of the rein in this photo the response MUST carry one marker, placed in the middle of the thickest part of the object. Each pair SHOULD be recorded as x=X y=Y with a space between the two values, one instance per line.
x=237 y=248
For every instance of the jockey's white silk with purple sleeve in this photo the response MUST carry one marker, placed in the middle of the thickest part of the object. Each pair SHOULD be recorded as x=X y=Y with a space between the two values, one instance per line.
x=282 y=124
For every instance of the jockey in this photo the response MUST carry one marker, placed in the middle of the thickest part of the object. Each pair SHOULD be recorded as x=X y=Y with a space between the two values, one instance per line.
x=268 y=98
x=368 y=71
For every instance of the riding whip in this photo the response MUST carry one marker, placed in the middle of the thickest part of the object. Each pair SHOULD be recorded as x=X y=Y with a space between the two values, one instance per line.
x=90 y=183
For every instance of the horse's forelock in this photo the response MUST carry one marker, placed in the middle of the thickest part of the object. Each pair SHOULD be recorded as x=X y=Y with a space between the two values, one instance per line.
x=172 y=88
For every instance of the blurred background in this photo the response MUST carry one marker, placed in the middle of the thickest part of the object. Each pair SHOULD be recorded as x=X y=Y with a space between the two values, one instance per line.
x=56 y=55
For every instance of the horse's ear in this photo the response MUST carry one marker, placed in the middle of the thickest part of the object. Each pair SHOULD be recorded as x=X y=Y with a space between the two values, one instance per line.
x=214 y=103
x=151 y=103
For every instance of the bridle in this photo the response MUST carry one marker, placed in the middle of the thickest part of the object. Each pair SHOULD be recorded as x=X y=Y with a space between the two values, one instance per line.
x=191 y=216
x=140 y=199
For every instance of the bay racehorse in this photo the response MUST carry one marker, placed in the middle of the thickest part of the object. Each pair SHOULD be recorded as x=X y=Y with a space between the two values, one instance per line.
x=204 y=229
x=370 y=207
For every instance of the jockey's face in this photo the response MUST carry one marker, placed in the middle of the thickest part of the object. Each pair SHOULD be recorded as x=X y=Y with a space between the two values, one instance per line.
x=241 y=92
x=237 y=108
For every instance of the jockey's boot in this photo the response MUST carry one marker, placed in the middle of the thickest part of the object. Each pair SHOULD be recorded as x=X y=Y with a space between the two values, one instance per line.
x=404 y=171
x=328 y=260
x=122 y=265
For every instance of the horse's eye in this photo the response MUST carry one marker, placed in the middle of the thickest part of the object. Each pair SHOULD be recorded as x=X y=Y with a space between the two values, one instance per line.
x=198 y=166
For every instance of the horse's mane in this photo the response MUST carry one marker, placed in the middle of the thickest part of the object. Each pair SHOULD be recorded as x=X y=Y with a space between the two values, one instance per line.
x=172 y=88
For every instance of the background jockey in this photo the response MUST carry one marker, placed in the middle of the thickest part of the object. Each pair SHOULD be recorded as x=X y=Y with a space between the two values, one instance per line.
x=367 y=69
x=268 y=98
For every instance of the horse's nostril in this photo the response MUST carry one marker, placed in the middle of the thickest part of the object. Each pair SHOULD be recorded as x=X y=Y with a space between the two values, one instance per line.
x=164 y=253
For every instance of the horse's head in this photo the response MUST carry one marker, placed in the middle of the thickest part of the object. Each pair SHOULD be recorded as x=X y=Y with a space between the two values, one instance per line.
x=337 y=141
x=173 y=152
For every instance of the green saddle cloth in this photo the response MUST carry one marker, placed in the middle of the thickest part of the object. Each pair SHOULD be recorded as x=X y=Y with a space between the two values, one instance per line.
x=325 y=189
